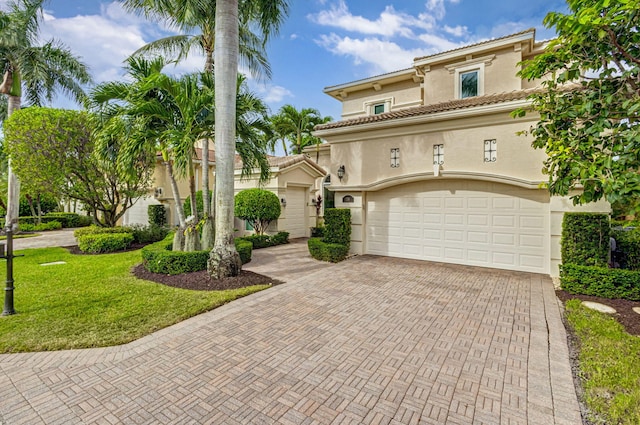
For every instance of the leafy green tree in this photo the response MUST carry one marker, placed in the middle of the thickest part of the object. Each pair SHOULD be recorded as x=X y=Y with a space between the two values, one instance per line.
x=296 y=127
x=57 y=147
x=38 y=70
x=589 y=108
x=257 y=206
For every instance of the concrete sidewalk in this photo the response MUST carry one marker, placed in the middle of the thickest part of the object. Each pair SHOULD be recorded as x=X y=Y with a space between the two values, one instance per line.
x=371 y=340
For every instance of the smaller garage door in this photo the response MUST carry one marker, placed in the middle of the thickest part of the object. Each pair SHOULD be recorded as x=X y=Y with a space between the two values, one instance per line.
x=295 y=212
x=464 y=222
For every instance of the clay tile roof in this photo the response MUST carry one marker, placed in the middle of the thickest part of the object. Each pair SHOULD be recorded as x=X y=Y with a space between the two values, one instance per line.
x=283 y=162
x=466 y=46
x=431 y=109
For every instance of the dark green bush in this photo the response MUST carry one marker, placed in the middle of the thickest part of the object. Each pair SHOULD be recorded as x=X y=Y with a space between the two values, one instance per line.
x=67 y=219
x=51 y=225
x=585 y=239
x=104 y=242
x=244 y=248
x=147 y=234
x=628 y=248
x=199 y=203
x=157 y=214
x=257 y=206
x=158 y=257
x=264 y=241
x=337 y=226
x=85 y=220
x=279 y=238
x=600 y=281
x=317 y=232
x=324 y=251
x=97 y=230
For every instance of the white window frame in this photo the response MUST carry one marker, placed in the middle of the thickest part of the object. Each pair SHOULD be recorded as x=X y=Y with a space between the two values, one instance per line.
x=479 y=68
x=370 y=106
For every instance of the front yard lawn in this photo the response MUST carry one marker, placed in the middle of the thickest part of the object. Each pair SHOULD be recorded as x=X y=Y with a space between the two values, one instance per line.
x=93 y=301
x=609 y=365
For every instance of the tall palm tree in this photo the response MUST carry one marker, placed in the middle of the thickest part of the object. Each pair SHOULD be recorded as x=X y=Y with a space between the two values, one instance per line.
x=40 y=70
x=296 y=126
x=196 y=18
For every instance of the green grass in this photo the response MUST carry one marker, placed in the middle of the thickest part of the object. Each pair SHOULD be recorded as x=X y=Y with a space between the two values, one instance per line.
x=93 y=301
x=609 y=364
x=20 y=236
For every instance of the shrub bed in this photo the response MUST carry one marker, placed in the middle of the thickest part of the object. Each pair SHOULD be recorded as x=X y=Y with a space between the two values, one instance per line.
x=627 y=248
x=67 y=219
x=50 y=225
x=148 y=234
x=600 y=281
x=337 y=226
x=157 y=214
x=158 y=257
x=104 y=242
x=97 y=230
x=264 y=241
x=324 y=251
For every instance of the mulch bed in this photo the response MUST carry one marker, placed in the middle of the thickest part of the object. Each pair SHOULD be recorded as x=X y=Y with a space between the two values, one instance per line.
x=200 y=281
x=624 y=308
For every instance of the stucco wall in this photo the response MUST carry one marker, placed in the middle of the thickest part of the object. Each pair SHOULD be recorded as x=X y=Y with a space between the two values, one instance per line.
x=402 y=95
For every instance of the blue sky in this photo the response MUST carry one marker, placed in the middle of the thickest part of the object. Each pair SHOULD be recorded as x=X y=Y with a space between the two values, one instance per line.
x=322 y=43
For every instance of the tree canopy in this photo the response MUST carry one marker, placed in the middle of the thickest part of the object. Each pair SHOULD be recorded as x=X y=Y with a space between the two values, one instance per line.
x=589 y=124
x=56 y=148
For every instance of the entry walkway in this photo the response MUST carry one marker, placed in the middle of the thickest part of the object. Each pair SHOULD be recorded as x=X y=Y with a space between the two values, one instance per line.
x=371 y=340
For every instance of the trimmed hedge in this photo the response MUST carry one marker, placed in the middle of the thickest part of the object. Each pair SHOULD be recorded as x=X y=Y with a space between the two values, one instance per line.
x=97 y=230
x=104 y=242
x=317 y=232
x=68 y=219
x=324 y=251
x=585 y=239
x=158 y=257
x=627 y=248
x=264 y=241
x=157 y=214
x=51 y=225
x=148 y=234
x=600 y=281
x=337 y=226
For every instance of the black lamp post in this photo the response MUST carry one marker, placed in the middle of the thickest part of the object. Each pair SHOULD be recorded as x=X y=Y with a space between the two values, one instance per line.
x=8 y=290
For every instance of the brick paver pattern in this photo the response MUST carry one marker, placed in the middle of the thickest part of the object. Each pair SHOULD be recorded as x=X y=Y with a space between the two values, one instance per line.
x=371 y=340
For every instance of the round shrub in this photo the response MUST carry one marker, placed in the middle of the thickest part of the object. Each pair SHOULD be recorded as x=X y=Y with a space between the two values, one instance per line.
x=104 y=242
x=257 y=206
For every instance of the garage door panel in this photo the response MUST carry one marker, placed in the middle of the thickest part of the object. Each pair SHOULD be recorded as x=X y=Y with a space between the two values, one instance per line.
x=464 y=222
x=296 y=212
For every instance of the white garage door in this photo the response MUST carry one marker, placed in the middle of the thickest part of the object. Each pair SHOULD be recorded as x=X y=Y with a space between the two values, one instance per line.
x=296 y=212
x=462 y=222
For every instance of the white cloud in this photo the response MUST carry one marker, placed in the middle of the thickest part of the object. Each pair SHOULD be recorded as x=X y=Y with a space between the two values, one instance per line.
x=385 y=56
x=457 y=31
x=273 y=94
x=389 y=23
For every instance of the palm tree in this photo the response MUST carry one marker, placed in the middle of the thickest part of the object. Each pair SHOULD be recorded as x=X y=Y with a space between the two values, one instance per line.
x=224 y=260
x=296 y=126
x=41 y=71
x=197 y=19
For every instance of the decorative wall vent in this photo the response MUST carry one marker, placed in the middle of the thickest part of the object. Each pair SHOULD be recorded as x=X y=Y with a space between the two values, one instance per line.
x=347 y=199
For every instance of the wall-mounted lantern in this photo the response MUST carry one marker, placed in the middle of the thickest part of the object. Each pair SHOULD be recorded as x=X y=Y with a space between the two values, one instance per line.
x=283 y=202
x=341 y=172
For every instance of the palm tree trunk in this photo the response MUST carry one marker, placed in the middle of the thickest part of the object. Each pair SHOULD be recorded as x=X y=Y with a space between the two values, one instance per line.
x=13 y=195
x=178 y=238
x=224 y=260
x=206 y=205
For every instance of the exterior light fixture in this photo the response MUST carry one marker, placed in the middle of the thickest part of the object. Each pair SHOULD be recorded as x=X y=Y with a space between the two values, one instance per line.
x=283 y=202
x=341 y=172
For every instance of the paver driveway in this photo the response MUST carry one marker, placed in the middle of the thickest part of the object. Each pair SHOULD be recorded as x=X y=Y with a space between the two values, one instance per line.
x=371 y=340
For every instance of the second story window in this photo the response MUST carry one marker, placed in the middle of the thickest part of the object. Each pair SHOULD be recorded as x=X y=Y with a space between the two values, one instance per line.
x=469 y=83
x=378 y=109
x=438 y=154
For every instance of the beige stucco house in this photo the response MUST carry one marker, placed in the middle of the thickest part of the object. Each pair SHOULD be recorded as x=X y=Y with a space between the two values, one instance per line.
x=292 y=180
x=432 y=168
